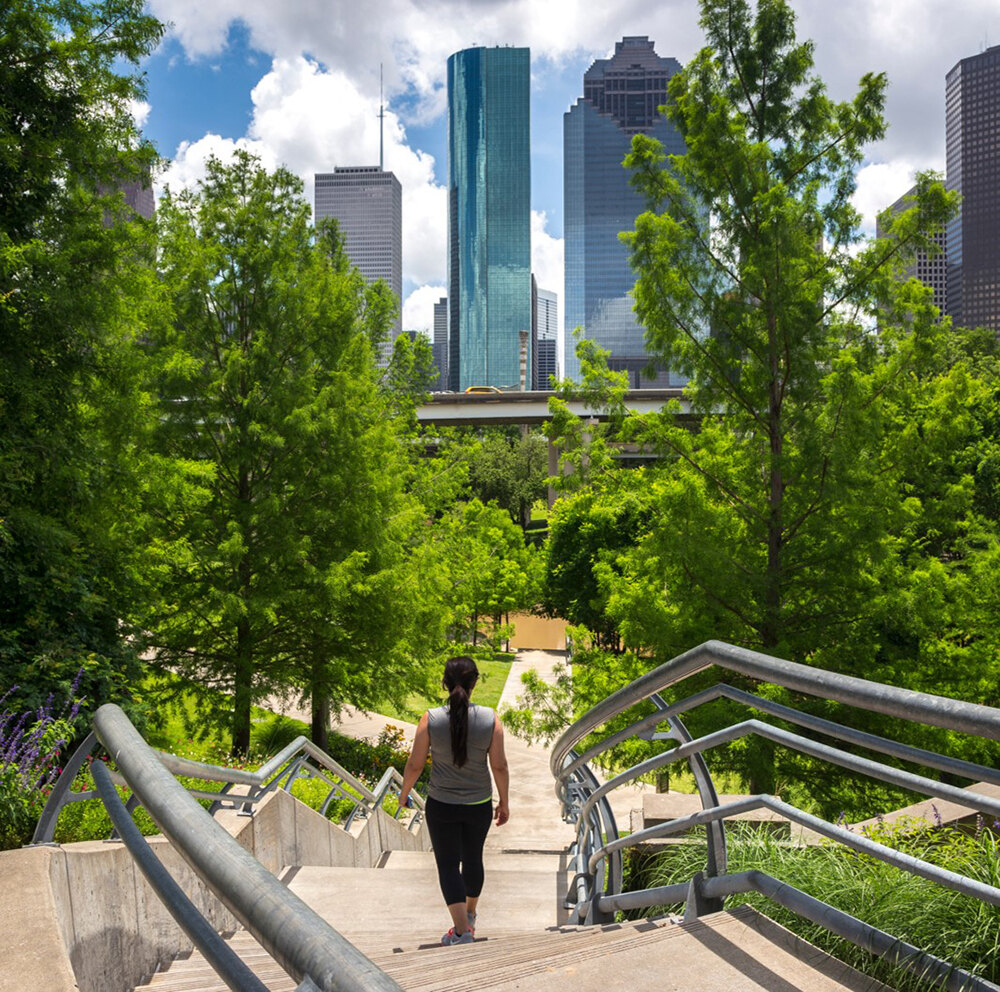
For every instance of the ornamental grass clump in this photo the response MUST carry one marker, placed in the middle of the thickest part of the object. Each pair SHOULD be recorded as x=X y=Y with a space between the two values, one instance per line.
x=957 y=928
x=31 y=748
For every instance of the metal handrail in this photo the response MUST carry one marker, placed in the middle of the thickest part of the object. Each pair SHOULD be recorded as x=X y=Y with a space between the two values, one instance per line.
x=279 y=771
x=304 y=944
x=598 y=855
x=905 y=704
x=223 y=959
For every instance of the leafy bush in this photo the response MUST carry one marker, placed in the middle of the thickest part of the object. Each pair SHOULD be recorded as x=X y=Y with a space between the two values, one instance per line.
x=951 y=926
x=368 y=759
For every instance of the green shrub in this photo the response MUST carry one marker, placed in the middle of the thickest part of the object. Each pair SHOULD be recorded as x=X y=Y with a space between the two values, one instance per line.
x=275 y=733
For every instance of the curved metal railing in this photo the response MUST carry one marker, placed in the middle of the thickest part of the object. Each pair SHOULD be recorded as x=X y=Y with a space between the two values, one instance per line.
x=304 y=944
x=596 y=893
x=242 y=789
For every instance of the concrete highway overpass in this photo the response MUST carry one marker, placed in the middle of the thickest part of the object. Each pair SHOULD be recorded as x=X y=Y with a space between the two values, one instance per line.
x=463 y=409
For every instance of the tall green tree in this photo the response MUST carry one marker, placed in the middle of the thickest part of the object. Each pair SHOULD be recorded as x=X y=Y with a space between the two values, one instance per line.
x=75 y=293
x=490 y=571
x=283 y=541
x=787 y=502
x=829 y=505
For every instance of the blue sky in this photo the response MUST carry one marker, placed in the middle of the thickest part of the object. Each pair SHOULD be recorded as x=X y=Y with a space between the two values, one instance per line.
x=298 y=84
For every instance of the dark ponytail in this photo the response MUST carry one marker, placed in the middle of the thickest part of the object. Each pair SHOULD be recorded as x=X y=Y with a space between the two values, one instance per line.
x=460 y=676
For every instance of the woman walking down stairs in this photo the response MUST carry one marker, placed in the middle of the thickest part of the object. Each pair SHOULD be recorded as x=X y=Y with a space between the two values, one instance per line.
x=521 y=943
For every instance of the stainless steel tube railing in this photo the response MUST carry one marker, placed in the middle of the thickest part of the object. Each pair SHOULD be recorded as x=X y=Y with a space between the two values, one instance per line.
x=279 y=771
x=303 y=944
x=596 y=892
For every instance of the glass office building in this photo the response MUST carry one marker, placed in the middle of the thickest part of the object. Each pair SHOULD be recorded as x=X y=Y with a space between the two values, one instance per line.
x=972 y=150
x=544 y=337
x=621 y=97
x=489 y=216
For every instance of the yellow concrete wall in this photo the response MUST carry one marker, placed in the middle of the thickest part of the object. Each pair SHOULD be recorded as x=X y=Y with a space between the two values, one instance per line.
x=537 y=633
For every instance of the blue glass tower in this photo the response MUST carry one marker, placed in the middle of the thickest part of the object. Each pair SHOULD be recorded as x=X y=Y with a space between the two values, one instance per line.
x=489 y=215
x=621 y=97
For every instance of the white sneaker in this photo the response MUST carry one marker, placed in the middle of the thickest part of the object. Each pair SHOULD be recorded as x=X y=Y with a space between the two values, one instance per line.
x=457 y=938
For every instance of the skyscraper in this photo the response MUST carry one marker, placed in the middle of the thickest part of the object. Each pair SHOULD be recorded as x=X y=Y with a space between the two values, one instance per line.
x=439 y=346
x=544 y=336
x=367 y=203
x=621 y=97
x=929 y=269
x=972 y=148
x=489 y=215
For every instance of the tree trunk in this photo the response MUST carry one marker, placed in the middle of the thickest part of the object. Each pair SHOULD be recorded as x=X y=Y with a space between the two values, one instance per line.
x=242 y=689
x=320 y=732
x=770 y=628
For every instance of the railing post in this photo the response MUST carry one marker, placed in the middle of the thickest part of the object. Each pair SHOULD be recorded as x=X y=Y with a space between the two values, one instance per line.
x=698 y=903
x=46 y=829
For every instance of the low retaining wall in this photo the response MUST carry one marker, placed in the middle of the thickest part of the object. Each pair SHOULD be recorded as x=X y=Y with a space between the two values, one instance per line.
x=82 y=916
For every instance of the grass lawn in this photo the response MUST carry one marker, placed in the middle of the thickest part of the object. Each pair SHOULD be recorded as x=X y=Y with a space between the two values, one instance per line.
x=492 y=678
x=169 y=731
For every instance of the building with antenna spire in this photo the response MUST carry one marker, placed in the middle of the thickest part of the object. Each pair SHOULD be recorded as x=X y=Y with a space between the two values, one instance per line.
x=367 y=203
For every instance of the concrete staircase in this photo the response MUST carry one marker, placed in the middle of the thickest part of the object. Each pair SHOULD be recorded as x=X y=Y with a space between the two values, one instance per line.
x=393 y=914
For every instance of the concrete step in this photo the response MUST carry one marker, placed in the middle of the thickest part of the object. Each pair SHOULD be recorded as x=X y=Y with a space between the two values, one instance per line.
x=739 y=951
x=527 y=895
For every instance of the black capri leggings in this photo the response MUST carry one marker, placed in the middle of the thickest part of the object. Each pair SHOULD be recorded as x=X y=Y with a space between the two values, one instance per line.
x=458 y=833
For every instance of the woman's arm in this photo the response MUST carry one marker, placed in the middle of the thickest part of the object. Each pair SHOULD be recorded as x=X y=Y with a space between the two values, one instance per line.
x=498 y=763
x=416 y=761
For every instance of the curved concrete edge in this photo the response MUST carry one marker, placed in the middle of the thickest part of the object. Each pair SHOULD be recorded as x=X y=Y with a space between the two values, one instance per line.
x=31 y=922
x=82 y=917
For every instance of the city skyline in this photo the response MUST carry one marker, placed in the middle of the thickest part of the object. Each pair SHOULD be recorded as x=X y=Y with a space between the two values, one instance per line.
x=249 y=75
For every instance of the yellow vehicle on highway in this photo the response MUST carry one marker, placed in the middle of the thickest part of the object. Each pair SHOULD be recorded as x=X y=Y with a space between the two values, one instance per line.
x=482 y=390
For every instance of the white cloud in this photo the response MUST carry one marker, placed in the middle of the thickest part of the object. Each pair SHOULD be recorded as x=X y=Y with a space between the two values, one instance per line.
x=189 y=164
x=879 y=185
x=547 y=265
x=139 y=109
x=418 y=309
x=546 y=256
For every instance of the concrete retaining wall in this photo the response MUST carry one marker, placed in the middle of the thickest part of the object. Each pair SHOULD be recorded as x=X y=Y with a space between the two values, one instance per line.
x=82 y=917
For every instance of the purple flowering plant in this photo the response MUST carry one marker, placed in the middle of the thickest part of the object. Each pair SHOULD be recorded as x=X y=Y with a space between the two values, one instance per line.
x=31 y=749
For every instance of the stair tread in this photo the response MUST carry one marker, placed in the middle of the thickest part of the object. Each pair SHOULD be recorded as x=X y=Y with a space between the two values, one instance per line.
x=720 y=952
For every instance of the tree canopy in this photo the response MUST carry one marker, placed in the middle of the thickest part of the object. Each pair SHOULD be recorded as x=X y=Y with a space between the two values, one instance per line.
x=284 y=536
x=75 y=293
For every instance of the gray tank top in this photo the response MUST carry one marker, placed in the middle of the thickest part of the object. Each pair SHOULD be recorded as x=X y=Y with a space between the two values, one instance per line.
x=471 y=783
